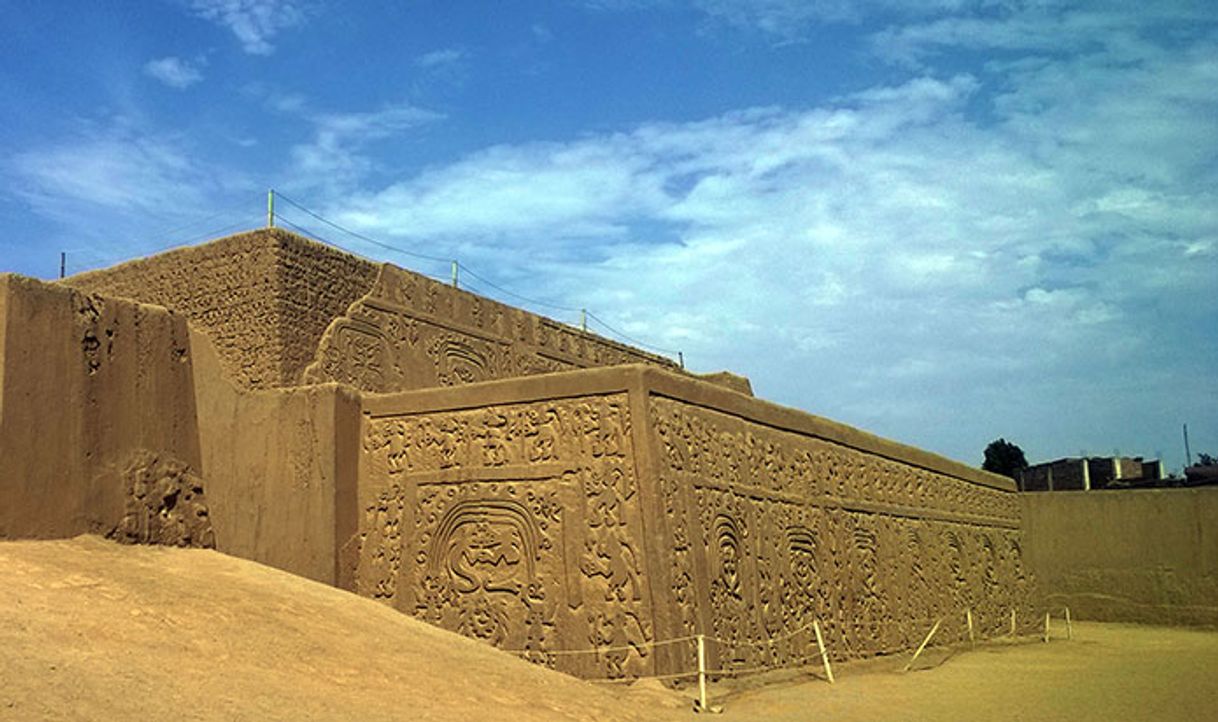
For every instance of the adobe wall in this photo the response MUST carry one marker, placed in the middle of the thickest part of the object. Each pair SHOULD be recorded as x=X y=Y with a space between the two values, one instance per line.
x=1130 y=555
x=264 y=297
x=773 y=518
x=510 y=512
x=280 y=467
x=411 y=332
x=617 y=507
x=98 y=429
x=283 y=310
x=118 y=420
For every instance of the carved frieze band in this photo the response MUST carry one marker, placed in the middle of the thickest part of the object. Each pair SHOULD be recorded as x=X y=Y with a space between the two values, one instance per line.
x=412 y=332
x=787 y=528
x=712 y=448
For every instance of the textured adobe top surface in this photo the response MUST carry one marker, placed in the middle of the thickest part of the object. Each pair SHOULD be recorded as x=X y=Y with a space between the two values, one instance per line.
x=283 y=310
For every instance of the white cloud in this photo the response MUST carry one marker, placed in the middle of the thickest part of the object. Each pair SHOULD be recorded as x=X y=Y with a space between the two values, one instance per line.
x=446 y=56
x=1002 y=248
x=254 y=22
x=119 y=189
x=114 y=168
x=888 y=245
x=788 y=20
x=174 y=72
x=334 y=157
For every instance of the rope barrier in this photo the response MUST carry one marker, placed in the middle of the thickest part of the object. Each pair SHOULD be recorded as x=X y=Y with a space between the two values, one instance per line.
x=1127 y=600
x=796 y=662
x=468 y=271
x=632 y=680
x=603 y=650
x=765 y=643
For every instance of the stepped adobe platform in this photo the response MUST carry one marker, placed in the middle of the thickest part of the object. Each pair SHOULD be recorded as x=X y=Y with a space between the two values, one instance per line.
x=488 y=470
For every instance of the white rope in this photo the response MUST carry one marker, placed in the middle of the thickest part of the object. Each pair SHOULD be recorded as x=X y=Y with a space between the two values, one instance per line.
x=602 y=650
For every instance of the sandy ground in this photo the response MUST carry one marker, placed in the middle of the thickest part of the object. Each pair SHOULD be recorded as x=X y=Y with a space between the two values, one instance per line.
x=91 y=630
x=1108 y=672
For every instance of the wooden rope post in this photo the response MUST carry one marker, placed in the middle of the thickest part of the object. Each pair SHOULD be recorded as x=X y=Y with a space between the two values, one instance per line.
x=702 y=673
x=1012 y=621
x=968 y=617
x=923 y=645
x=1069 y=629
x=1046 y=626
x=824 y=656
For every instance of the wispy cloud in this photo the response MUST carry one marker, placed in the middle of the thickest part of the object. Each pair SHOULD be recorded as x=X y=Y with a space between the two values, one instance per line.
x=334 y=157
x=788 y=20
x=254 y=22
x=106 y=184
x=174 y=72
x=446 y=56
x=894 y=244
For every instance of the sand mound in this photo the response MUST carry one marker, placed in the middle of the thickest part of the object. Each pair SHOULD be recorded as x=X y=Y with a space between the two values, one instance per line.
x=90 y=629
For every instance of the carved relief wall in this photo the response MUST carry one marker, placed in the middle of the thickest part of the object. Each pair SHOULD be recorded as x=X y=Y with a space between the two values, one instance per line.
x=619 y=514
x=518 y=524
x=411 y=332
x=772 y=529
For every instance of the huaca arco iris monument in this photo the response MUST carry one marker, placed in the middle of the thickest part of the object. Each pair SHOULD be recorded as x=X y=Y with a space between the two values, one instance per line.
x=488 y=470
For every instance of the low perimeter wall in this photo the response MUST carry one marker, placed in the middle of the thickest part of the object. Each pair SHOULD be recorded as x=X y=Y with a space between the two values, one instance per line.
x=621 y=508
x=1145 y=555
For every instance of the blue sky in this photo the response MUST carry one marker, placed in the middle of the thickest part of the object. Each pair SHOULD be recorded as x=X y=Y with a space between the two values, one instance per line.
x=942 y=221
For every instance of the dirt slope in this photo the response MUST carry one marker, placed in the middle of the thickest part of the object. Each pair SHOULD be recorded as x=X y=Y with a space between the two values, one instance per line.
x=93 y=630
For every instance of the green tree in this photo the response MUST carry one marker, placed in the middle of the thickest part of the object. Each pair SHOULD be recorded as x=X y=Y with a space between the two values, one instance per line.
x=1003 y=457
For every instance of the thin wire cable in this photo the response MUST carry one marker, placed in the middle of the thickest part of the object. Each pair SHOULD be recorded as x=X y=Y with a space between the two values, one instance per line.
x=515 y=295
x=391 y=247
x=198 y=236
x=631 y=339
x=360 y=236
x=602 y=650
x=161 y=234
x=470 y=271
x=112 y=258
x=310 y=233
x=631 y=680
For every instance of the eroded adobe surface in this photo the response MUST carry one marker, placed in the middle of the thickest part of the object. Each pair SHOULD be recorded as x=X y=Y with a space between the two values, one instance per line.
x=264 y=298
x=525 y=483
x=616 y=508
x=282 y=310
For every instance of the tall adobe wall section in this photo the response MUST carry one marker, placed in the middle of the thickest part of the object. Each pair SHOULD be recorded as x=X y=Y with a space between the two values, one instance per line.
x=117 y=419
x=264 y=298
x=98 y=429
x=627 y=507
x=283 y=310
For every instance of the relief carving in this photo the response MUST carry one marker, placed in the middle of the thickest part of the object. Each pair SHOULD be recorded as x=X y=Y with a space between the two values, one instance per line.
x=493 y=558
x=164 y=503
x=791 y=535
x=411 y=332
